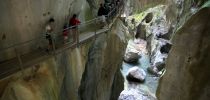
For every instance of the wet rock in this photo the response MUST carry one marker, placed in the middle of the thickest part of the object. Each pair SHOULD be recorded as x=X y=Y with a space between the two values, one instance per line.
x=157 y=68
x=160 y=65
x=165 y=48
x=131 y=57
x=149 y=17
x=136 y=74
x=135 y=94
x=141 y=32
x=167 y=35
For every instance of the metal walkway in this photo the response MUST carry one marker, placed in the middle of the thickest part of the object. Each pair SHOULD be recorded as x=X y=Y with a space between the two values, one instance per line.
x=33 y=57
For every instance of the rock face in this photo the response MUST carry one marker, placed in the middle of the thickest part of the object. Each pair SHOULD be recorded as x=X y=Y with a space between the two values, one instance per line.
x=141 y=31
x=39 y=84
x=56 y=78
x=131 y=57
x=136 y=74
x=117 y=86
x=148 y=17
x=187 y=74
x=137 y=6
x=101 y=67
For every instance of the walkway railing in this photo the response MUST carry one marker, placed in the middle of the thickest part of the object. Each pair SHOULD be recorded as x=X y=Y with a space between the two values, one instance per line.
x=37 y=46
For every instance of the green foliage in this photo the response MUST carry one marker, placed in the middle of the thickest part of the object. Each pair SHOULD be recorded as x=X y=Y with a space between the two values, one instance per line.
x=207 y=4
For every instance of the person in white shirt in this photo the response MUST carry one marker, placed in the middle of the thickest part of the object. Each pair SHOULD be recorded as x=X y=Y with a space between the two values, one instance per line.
x=49 y=30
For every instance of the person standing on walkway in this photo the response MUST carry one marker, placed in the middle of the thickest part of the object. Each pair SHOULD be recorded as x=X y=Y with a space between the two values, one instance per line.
x=49 y=30
x=65 y=33
x=101 y=14
x=74 y=22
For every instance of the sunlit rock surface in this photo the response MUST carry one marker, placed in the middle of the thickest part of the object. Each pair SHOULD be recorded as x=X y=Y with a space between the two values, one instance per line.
x=187 y=74
x=52 y=79
x=104 y=60
x=39 y=83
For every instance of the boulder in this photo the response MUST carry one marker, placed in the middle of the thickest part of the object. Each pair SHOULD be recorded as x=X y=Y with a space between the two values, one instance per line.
x=136 y=74
x=157 y=68
x=165 y=48
x=135 y=94
x=131 y=57
x=141 y=31
x=149 y=17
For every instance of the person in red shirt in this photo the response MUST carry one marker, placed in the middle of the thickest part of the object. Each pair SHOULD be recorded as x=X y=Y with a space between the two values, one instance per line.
x=74 y=22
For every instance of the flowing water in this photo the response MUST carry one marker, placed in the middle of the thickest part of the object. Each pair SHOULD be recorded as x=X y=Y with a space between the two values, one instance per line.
x=151 y=82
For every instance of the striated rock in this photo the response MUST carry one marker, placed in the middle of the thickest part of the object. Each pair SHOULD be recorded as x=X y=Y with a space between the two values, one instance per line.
x=102 y=73
x=187 y=74
x=131 y=57
x=136 y=74
x=42 y=85
x=117 y=86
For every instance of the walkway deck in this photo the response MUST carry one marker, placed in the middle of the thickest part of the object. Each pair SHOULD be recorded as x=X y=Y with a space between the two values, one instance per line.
x=11 y=66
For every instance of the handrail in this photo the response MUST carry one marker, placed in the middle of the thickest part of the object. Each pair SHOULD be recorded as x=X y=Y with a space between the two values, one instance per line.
x=21 y=63
x=20 y=43
x=83 y=23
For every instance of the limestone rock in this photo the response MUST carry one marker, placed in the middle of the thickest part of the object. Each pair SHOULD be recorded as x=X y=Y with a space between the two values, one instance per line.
x=157 y=68
x=131 y=57
x=141 y=31
x=187 y=74
x=136 y=74
x=149 y=17
x=165 y=48
x=135 y=94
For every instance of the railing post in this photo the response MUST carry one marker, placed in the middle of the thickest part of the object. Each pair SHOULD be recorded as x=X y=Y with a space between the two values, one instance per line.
x=95 y=27
x=53 y=43
x=77 y=36
x=20 y=61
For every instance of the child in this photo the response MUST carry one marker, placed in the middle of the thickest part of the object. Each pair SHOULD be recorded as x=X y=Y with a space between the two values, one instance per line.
x=65 y=34
x=49 y=30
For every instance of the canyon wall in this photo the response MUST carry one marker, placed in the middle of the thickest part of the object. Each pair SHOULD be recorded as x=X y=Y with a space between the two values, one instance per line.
x=187 y=67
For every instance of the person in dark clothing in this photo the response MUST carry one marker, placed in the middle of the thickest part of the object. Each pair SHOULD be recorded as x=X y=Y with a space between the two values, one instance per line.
x=101 y=15
x=101 y=10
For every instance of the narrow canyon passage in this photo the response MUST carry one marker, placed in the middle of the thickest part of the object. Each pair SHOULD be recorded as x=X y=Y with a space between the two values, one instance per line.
x=151 y=81
x=146 y=55
x=104 y=49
